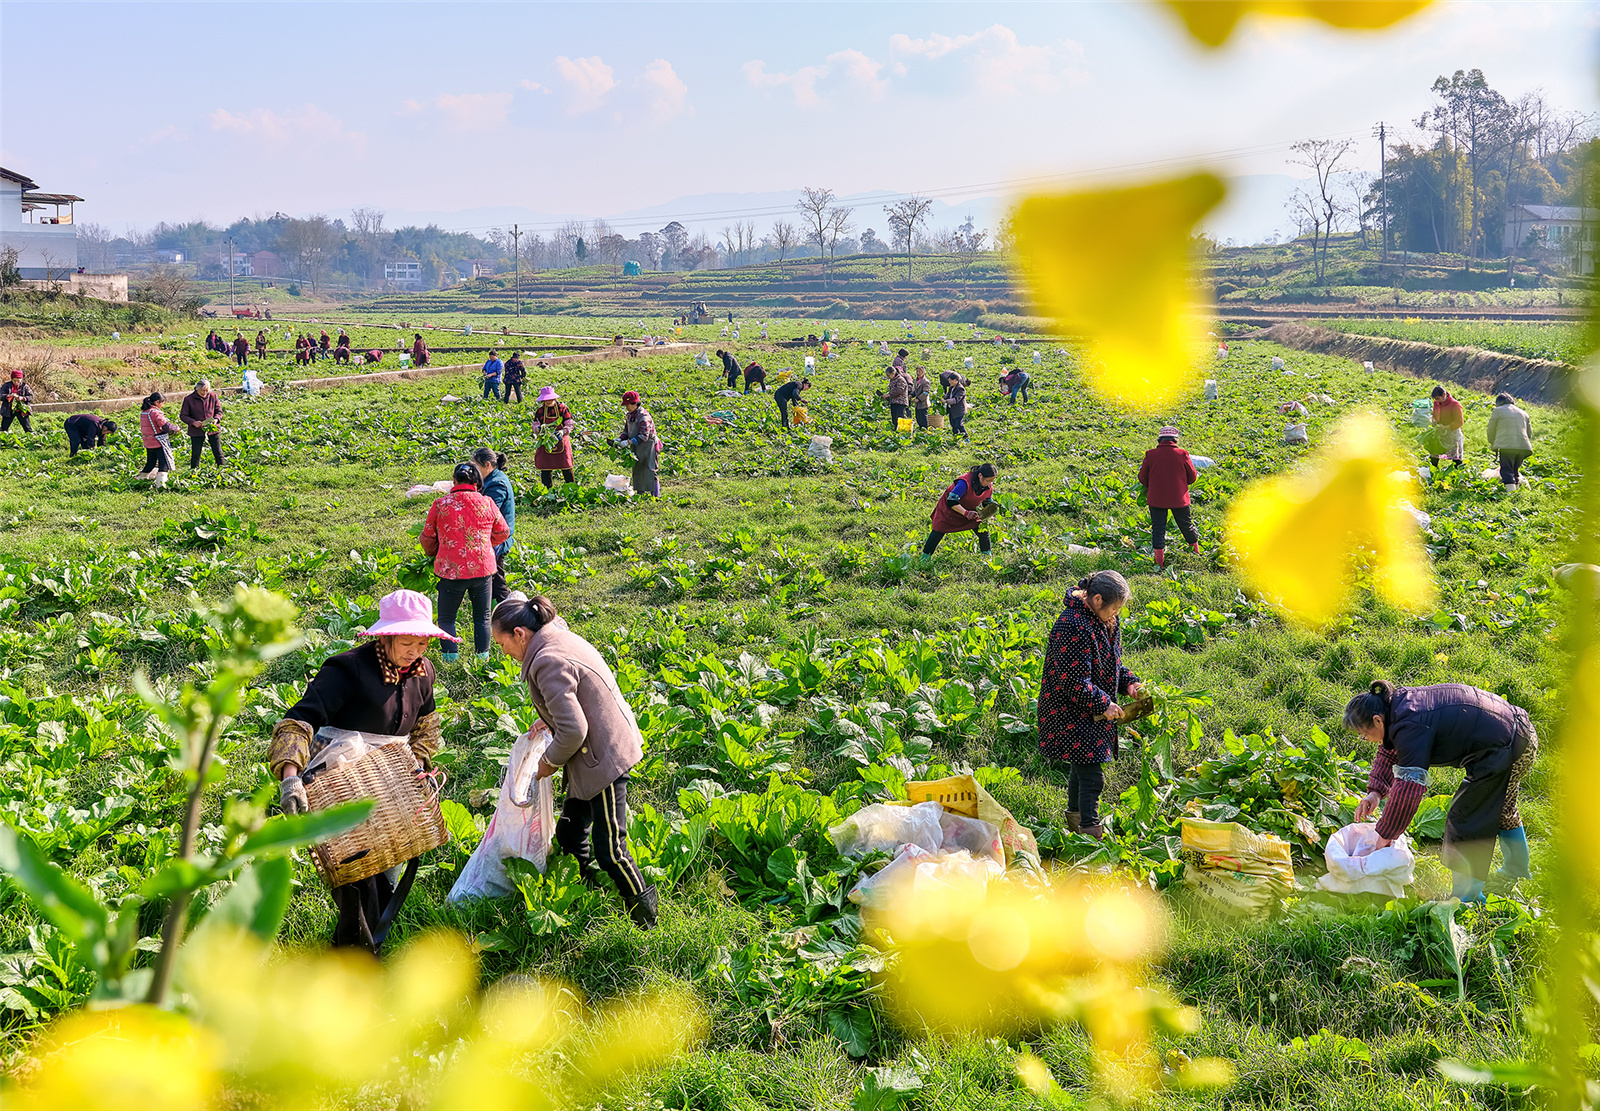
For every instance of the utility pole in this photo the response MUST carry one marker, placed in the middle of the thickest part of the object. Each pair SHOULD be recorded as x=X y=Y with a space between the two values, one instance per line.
x=1383 y=178
x=516 y=263
x=230 y=274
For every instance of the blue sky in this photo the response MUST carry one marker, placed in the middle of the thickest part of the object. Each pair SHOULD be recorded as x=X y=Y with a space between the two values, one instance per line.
x=174 y=112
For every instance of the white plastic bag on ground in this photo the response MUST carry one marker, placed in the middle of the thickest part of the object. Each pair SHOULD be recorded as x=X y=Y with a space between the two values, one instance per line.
x=619 y=484
x=524 y=822
x=1423 y=520
x=916 y=873
x=821 y=449
x=975 y=836
x=876 y=891
x=1277 y=362
x=1296 y=434
x=1079 y=549
x=882 y=828
x=1356 y=865
x=1202 y=462
x=1211 y=389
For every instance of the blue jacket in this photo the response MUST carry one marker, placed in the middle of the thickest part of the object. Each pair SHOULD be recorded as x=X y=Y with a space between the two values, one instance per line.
x=497 y=488
x=492 y=369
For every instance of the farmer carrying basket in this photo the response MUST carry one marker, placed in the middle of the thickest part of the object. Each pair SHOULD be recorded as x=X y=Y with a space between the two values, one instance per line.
x=367 y=727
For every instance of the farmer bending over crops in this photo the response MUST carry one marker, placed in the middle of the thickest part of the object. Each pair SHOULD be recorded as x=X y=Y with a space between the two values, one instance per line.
x=965 y=505
x=1510 y=433
x=552 y=427
x=383 y=689
x=789 y=394
x=88 y=430
x=755 y=375
x=16 y=402
x=1083 y=674
x=1456 y=726
x=1016 y=381
x=1448 y=419
x=497 y=488
x=201 y=413
x=639 y=436
x=595 y=741
x=1166 y=475
x=730 y=367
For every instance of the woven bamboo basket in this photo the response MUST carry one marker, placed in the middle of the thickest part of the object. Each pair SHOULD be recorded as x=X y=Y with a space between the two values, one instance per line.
x=405 y=821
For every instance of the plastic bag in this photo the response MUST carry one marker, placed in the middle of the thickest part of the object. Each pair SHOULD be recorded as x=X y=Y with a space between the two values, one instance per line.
x=1277 y=362
x=1356 y=865
x=975 y=836
x=1423 y=520
x=341 y=746
x=1202 y=462
x=964 y=795
x=619 y=484
x=524 y=822
x=966 y=363
x=1296 y=434
x=252 y=383
x=883 y=828
x=904 y=424
x=1211 y=389
x=1422 y=413
x=915 y=872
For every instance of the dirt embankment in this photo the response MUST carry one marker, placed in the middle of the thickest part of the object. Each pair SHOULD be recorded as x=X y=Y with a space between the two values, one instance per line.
x=1489 y=371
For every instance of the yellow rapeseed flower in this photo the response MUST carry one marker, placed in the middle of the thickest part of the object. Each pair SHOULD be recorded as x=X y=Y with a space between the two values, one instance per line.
x=1296 y=535
x=129 y=1059
x=1115 y=266
x=1213 y=21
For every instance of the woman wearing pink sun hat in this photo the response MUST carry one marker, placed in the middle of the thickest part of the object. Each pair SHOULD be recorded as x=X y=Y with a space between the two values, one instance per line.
x=383 y=688
x=552 y=425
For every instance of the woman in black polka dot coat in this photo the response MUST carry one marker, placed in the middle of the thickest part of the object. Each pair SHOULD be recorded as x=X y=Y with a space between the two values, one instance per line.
x=1083 y=674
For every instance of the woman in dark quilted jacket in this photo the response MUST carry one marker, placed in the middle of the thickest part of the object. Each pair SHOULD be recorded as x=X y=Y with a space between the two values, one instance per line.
x=1455 y=726
x=1083 y=674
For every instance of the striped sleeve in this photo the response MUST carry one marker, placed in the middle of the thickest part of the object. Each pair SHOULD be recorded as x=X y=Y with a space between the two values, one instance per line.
x=1400 y=808
x=1381 y=777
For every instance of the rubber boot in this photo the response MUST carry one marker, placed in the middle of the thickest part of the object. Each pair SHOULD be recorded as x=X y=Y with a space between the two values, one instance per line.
x=642 y=908
x=1465 y=888
x=1195 y=547
x=160 y=479
x=983 y=543
x=1161 y=557
x=484 y=656
x=450 y=657
x=1096 y=831
x=1074 y=821
x=1514 y=862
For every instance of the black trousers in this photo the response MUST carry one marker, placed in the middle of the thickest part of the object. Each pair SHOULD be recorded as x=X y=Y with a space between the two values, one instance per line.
x=958 y=418
x=510 y=386
x=367 y=909
x=758 y=380
x=595 y=831
x=922 y=418
x=935 y=536
x=783 y=411
x=549 y=478
x=155 y=459
x=77 y=439
x=197 y=444
x=1510 y=462
x=451 y=592
x=896 y=414
x=498 y=590
x=1084 y=784
x=241 y=357
x=7 y=416
x=1158 y=525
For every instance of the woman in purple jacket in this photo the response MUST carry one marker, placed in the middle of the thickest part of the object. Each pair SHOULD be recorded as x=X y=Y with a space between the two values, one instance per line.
x=1456 y=726
x=1083 y=674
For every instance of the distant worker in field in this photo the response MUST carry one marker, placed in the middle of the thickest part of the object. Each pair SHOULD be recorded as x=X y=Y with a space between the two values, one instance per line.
x=897 y=395
x=1078 y=709
x=261 y=346
x=16 y=403
x=516 y=375
x=1448 y=421
x=639 y=436
x=552 y=428
x=1016 y=381
x=155 y=430
x=302 y=350
x=343 y=340
x=85 y=430
x=241 y=350
x=1166 y=475
x=341 y=353
x=955 y=402
x=493 y=368
x=1450 y=725
x=965 y=506
x=789 y=394
x=419 y=350
x=755 y=375
x=730 y=368
x=201 y=414
x=899 y=362
x=1510 y=433
x=322 y=346
x=921 y=388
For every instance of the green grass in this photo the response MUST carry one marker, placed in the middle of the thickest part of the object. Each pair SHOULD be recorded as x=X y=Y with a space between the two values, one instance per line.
x=1564 y=343
x=744 y=518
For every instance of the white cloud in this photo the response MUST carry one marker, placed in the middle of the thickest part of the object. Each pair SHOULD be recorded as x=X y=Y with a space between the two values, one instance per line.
x=535 y=87
x=664 y=91
x=309 y=123
x=998 y=62
x=475 y=111
x=409 y=108
x=849 y=70
x=588 y=81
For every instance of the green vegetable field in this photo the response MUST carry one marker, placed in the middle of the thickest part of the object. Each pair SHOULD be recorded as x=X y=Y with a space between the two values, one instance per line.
x=790 y=660
x=1564 y=343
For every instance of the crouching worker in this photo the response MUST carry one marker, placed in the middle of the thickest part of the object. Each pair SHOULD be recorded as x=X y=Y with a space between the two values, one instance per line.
x=86 y=430
x=965 y=505
x=595 y=742
x=1078 y=710
x=383 y=688
x=1450 y=725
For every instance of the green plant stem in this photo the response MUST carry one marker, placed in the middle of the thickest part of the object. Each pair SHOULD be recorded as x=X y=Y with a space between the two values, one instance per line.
x=178 y=909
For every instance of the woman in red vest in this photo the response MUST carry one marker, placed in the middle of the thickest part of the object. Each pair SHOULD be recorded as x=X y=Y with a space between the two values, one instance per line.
x=964 y=505
x=1166 y=475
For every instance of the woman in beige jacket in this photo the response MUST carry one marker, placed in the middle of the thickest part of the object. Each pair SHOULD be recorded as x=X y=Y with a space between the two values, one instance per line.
x=595 y=741
x=1510 y=432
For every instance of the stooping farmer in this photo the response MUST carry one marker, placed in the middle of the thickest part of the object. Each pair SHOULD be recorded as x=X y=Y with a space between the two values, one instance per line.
x=1448 y=420
x=1510 y=433
x=460 y=534
x=595 y=741
x=552 y=428
x=730 y=367
x=1449 y=725
x=1083 y=675
x=639 y=436
x=88 y=430
x=964 y=506
x=789 y=394
x=381 y=688
x=1166 y=475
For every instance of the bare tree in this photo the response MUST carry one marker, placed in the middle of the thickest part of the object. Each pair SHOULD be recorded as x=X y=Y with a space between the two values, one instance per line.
x=968 y=242
x=94 y=245
x=1324 y=158
x=310 y=244
x=839 y=225
x=727 y=244
x=167 y=286
x=816 y=205
x=904 y=219
x=783 y=238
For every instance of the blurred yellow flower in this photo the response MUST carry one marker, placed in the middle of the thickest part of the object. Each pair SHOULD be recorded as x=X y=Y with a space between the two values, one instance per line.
x=132 y=1059
x=1114 y=266
x=1296 y=535
x=1213 y=21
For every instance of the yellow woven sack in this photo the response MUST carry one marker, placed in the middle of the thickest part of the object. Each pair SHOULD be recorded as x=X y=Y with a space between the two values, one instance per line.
x=964 y=795
x=1231 y=847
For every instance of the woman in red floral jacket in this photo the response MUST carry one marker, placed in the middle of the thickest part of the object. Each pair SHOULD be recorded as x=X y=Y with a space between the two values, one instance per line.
x=1078 y=709
x=460 y=534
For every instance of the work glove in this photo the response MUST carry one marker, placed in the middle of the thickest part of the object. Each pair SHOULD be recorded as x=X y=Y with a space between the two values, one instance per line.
x=292 y=796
